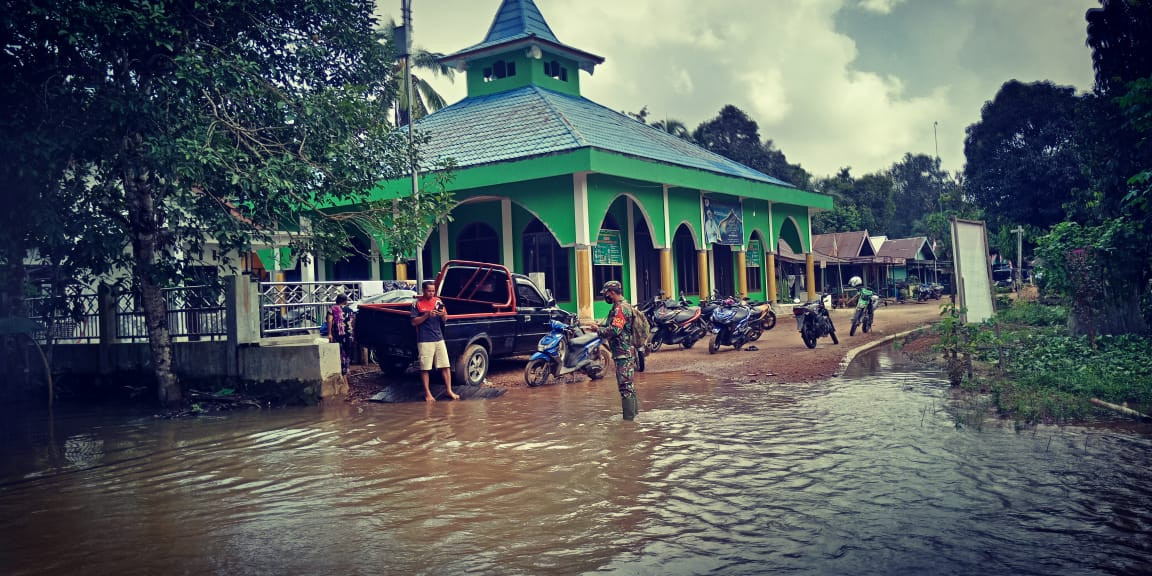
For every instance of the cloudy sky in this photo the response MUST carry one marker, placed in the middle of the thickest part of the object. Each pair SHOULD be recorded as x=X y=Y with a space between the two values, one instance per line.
x=833 y=83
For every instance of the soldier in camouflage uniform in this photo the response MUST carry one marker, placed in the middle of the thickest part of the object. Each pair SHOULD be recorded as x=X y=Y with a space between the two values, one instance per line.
x=617 y=331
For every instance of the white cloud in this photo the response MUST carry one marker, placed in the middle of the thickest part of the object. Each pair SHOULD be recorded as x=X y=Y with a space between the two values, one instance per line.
x=682 y=82
x=880 y=6
x=785 y=63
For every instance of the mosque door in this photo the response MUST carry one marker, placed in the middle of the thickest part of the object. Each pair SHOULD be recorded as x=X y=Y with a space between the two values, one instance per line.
x=647 y=264
x=725 y=269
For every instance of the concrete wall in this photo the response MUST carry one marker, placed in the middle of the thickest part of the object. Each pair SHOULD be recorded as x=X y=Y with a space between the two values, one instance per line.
x=303 y=371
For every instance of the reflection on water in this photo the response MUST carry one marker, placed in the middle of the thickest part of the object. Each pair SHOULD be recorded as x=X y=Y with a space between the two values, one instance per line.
x=867 y=474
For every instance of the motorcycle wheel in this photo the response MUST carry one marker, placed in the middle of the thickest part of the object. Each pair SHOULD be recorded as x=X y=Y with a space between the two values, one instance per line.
x=656 y=344
x=713 y=344
x=688 y=343
x=601 y=361
x=809 y=339
x=537 y=371
x=769 y=321
x=755 y=334
x=834 y=339
x=867 y=327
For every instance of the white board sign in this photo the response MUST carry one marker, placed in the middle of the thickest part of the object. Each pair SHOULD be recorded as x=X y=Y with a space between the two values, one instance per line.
x=973 y=274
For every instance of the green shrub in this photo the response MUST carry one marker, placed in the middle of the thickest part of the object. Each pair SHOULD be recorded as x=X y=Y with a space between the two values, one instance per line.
x=1033 y=314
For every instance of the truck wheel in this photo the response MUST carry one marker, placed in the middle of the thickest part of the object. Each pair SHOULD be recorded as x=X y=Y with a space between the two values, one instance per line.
x=472 y=367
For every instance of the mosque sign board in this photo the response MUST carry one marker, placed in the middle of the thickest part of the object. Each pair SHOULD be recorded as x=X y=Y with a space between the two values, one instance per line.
x=754 y=254
x=723 y=222
x=607 y=251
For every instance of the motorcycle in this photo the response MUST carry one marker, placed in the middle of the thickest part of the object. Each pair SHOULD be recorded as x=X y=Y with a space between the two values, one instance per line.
x=297 y=321
x=764 y=319
x=731 y=326
x=865 y=309
x=674 y=322
x=564 y=350
x=930 y=290
x=813 y=322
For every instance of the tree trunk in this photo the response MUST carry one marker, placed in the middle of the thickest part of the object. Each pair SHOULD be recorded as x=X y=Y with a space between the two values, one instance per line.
x=146 y=226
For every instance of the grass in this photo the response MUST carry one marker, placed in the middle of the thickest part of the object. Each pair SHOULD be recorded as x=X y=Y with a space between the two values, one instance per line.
x=1050 y=376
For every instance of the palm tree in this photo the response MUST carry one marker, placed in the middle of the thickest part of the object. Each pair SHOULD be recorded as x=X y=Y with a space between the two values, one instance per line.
x=426 y=99
x=673 y=127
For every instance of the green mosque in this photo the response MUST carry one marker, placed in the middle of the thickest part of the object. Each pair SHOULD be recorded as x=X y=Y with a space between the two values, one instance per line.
x=554 y=185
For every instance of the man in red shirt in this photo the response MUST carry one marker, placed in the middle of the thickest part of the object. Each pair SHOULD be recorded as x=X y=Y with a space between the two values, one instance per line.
x=428 y=315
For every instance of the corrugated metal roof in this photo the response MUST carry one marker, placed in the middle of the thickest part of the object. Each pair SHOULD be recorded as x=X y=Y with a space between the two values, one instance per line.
x=533 y=121
x=842 y=244
x=907 y=248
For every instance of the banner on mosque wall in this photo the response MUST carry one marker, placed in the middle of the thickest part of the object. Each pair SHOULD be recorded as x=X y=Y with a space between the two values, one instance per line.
x=723 y=222
x=754 y=254
x=608 y=251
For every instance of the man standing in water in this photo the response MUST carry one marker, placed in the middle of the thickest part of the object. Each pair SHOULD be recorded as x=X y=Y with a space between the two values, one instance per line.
x=617 y=330
x=428 y=317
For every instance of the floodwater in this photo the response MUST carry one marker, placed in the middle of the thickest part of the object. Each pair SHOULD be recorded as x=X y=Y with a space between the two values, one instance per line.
x=872 y=473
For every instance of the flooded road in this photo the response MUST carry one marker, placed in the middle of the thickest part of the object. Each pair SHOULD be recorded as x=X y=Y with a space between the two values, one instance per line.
x=865 y=474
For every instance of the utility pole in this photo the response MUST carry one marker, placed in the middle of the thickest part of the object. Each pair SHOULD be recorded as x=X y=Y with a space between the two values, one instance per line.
x=1019 y=258
x=406 y=9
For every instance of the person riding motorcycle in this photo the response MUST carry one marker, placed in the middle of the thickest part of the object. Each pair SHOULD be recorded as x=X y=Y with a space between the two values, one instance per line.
x=864 y=292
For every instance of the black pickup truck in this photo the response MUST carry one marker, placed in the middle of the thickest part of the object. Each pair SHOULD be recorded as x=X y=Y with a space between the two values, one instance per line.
x=492 y=313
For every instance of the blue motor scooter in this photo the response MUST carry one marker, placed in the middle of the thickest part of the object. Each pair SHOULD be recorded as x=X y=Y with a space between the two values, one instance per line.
x=564 y=350
x=731 y=326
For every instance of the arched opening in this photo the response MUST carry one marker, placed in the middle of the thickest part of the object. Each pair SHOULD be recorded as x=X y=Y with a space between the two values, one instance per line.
x=478 y=242
x=607 y=262
x=355 y=264
x=687 y=266
x=647 y=260
x=725 y=269
x=543 y=254
x=754 y=262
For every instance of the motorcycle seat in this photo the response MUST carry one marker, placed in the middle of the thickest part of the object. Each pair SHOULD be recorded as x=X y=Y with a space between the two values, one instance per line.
x=584 y=339
x=685 y=315
x=665 y=315
x=741 y=314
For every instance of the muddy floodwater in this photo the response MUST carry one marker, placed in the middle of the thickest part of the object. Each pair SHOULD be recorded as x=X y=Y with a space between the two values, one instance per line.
x=869 y=473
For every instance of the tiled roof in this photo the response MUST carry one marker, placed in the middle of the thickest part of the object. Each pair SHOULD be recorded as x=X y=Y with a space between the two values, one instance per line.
x=906 y=248
x=533 y=121
x=517 y=18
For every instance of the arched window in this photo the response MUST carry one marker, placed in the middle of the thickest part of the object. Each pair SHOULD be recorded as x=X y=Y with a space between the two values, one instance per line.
x=543 y=254
x=478 y=242
x=687 y=268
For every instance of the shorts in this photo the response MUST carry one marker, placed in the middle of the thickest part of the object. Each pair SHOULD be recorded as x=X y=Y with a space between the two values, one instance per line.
x=432 y=352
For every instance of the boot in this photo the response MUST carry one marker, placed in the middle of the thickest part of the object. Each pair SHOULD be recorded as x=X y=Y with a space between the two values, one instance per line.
x=630 y=407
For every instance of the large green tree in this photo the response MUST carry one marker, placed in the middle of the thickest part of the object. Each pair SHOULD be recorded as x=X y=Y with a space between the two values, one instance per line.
x=736 y=136
x=1024 y=155
x=224 y=120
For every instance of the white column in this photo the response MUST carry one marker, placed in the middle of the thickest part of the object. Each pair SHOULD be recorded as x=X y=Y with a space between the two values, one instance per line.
x=506 y=225
x=308 y=268
x=580 y=199
x=443 y=243
x=631 y=235
x=667 y=226
x=374 y=261
x=321 y=269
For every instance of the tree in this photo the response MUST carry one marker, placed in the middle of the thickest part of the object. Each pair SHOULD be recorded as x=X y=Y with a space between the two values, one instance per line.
x=1023 y=156
x=673 y=127
x=918 y=183
x=224 y=121
x=1120 y=36
x=734 y=135
x=427 y=100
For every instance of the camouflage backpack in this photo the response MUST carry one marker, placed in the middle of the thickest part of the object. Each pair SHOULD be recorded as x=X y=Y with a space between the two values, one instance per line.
x=641 y=331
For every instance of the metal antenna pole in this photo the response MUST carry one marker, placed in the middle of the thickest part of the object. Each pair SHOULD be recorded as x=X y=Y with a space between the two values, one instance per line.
x=406 y=9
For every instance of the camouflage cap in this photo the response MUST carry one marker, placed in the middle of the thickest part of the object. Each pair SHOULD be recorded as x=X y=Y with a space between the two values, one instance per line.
x=612 y=286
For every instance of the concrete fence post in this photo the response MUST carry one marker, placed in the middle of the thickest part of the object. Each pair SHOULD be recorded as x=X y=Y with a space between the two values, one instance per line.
x=242 y=310
x=106 y=320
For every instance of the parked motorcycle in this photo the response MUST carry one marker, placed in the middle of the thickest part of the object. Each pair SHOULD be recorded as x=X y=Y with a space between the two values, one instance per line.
x=813 y=322
x=865 y=309
x=298 y=321
x=674 y=322
x=929 y=290
x=731 y=326
x=564 y=350
x=763 y=318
